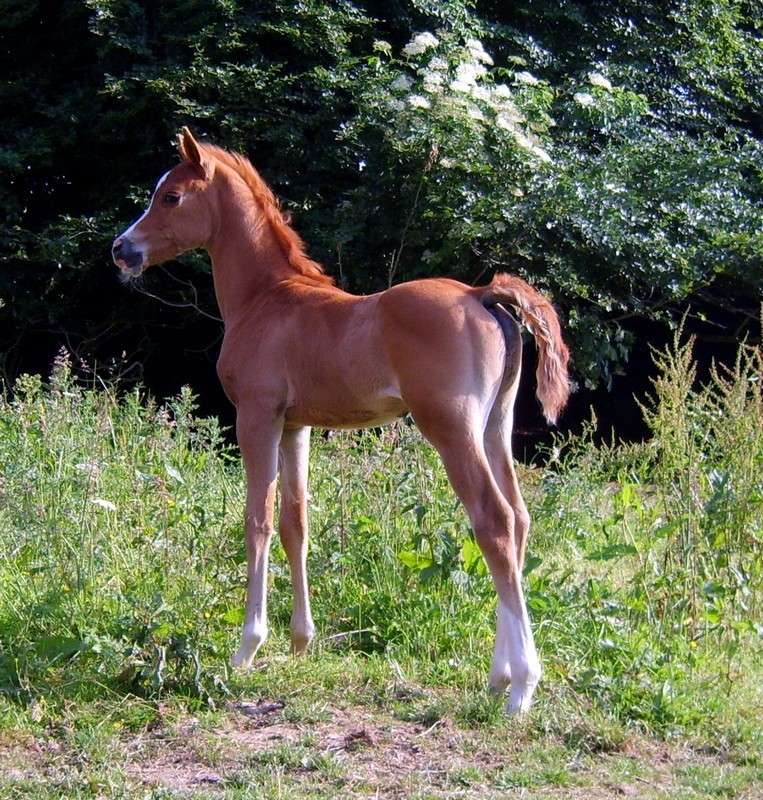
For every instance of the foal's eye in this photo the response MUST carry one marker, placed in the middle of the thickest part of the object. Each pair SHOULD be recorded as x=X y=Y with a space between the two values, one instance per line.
x=171 y=199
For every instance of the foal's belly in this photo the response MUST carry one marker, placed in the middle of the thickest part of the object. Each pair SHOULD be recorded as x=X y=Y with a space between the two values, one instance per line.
x=353 y=415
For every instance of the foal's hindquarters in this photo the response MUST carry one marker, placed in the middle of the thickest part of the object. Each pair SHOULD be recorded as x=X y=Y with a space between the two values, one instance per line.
x=435 y=349
x=461 y=389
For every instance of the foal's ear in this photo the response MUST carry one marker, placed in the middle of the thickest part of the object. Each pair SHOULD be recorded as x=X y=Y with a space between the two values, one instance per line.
x=191 y=151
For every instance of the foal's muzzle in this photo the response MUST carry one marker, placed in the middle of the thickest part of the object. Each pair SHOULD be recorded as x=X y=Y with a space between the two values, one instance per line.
x=127 y=257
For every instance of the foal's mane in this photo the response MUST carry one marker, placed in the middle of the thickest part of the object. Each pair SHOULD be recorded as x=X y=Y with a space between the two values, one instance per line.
x=288 y=239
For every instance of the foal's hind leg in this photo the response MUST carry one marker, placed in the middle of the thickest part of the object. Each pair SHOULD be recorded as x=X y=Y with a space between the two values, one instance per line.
x=497 y=439
x=295 y=451
x=498 y=448
x=499 y=429
x=459 y=442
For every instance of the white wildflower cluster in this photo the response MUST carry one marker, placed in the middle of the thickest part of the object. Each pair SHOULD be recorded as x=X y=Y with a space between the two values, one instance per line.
x=467 y=75
x=418 y=101
x=583 y=99
x=461 y=85
x=434 y=75
x=420 y=44
x=433 y=83
x=586 y=99
x=105 y=504
x=477 y=52
x=91 y=467
x=526 y=78
x=402 y=83
x=597 y=79
x=509 y=118
x=529 y=142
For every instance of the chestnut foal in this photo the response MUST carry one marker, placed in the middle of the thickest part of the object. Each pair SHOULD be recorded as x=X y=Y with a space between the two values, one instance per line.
x=300 y=352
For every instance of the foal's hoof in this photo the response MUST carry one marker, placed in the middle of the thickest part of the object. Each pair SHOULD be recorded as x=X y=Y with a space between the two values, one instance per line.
x=302 y=633
x=241 y=661
x=520 y=700
x=243 y=657
x=250 y=644
x=498 y=683
x=299 y=645
x=518 y=707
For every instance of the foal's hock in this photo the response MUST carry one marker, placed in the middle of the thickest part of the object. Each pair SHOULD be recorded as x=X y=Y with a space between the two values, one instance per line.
x=300 y=352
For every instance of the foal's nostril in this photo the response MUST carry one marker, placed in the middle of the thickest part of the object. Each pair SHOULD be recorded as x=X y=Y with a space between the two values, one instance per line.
x=117 y=248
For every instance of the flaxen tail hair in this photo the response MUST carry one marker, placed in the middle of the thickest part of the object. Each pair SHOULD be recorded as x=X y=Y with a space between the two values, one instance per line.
x=538 y=315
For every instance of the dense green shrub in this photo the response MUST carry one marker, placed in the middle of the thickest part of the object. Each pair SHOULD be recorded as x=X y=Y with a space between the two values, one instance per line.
x=610 y=153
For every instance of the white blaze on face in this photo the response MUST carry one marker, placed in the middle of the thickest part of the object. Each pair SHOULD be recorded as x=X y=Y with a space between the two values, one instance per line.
x=129 y=233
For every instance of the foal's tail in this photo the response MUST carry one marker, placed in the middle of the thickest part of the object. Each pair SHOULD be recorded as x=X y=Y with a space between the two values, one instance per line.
x=538 y=315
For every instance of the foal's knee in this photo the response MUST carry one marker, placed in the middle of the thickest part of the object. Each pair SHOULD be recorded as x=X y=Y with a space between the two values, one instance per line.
x=258 y=533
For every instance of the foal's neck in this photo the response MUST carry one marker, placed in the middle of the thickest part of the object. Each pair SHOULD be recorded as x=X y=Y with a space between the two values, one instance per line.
x=247 y=260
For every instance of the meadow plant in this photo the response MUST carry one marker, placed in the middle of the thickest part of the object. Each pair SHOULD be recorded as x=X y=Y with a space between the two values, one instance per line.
x=123 y=557
x=671 y=533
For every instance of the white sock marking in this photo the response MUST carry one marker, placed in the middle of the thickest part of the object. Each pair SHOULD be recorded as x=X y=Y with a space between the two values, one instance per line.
x=500 y=671
x=255 y=628
x=525 y=666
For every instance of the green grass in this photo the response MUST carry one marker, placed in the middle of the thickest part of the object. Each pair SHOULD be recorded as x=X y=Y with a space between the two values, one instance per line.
x=122 y=587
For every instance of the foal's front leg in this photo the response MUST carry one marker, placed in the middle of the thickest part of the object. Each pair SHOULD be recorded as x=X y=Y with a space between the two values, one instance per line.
x=258 y=439
x=292 y=527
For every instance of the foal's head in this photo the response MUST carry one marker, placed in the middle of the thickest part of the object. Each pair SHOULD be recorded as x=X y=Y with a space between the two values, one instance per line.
x=180 y=216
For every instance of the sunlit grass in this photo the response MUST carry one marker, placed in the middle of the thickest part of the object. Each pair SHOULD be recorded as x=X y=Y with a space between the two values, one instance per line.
x=122 y=577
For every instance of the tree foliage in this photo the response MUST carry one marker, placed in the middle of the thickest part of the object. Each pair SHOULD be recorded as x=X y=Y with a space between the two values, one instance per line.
x=610 y=153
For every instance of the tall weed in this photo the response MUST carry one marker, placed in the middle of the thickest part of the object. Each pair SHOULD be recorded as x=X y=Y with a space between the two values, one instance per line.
x=664 y=539
x=123 y=559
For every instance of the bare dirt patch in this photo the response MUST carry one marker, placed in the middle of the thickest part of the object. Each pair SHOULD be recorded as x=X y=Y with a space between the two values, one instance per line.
x=349 y=752
x=371 y=751
x=20 y=756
